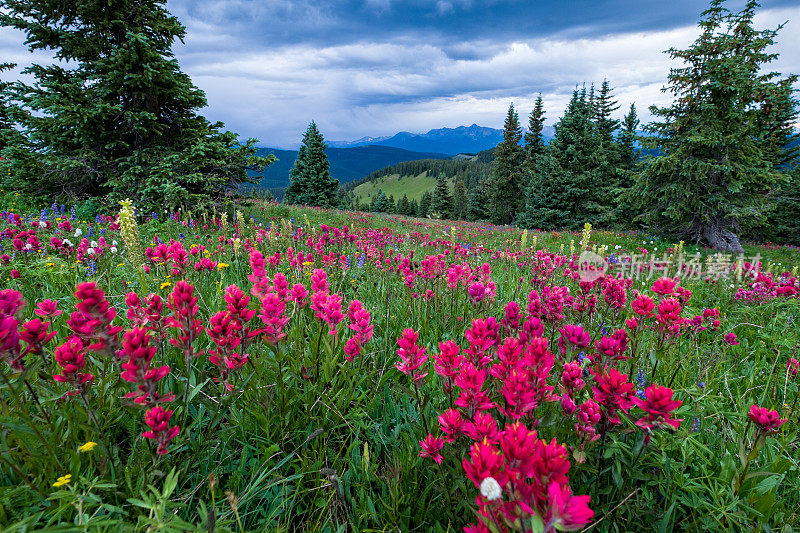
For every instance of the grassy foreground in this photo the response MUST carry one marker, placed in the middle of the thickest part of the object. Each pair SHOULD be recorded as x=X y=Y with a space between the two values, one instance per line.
x=474 y=353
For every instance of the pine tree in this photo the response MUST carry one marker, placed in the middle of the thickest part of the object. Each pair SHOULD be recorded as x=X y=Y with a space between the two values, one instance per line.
x=6 y=123
x=115 y=115
x=717 y=166
x=311 y=182
x=391 y=207
x=568 y=185
x=604 y=106
x=442 y=200
x=783 y=145
x=413 y=209
x=424 y=205
x=403 y=206
x=629 y=154
x=379 y=202
x=459 y=199
x=478 y=202
x=625 y=208
x=508 y=180
x=534 y=140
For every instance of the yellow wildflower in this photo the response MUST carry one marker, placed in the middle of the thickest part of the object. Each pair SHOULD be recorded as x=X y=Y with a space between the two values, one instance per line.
x=165 y=284
x=63 y=480
x=89 y=446
x=222 y=265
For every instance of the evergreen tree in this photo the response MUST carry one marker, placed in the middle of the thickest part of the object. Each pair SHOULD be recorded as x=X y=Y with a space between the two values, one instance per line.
x=391 y=207
x=604 y=106
x=534 y=140
x=569 y=184
x=403 y=206
x=478 y=202
x=459 y=199
x=115 y=115
x=379 y=202
x=311 y=182
x=442 y=201
x=424 y=205
x=6 y=124
x=508 y=180
x=629 y=154
x=783 y=144
x=717 y=166
x=413 y=209
x=626 y=208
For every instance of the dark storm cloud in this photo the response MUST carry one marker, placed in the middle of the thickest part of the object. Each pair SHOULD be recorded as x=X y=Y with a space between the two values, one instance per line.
x=376 y=67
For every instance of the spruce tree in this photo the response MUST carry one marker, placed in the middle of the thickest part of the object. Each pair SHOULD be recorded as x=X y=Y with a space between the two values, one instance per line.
x=534 y=140
x=629 y=154
x=507 y=184
x=717 y=167
x=403 y=206
x=783 y=144
x=424 y=204
x=478 y=202
x=115 y=115
x=379 y=202
x=569 y=185
x=6 y=123
x=310 y=179
x=459 y=199
x=442 y=200
x=625 y=208
x=604 y=106
x=413 y=208
x=391 y=207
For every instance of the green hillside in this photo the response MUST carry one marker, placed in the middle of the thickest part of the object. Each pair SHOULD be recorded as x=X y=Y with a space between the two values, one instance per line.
x=395 y=185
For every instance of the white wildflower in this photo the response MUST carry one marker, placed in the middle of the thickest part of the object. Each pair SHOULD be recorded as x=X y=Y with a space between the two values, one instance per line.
x=490 y=489
x=78 y=232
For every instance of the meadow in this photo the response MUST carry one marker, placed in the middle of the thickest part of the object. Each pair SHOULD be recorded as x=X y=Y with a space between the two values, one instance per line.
x=273 y=368
x=396 y=186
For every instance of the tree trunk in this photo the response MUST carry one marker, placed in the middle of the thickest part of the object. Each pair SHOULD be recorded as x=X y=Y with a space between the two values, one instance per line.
x=718 y=234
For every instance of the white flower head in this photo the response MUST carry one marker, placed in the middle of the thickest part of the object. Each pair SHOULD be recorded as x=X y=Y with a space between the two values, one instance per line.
x=78 y=232
x=42 y=224
x=67 y=242
x=93 y=244
x=28 y=246
x=90 y=251
x=490 y=489
x=113 y=249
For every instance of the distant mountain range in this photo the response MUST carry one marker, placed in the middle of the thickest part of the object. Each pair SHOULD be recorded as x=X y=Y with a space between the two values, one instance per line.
x=347 y=164
x=451 y=141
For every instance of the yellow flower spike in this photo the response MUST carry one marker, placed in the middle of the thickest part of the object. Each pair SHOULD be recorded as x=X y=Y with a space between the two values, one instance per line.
x=63 y=480
x=89 y=446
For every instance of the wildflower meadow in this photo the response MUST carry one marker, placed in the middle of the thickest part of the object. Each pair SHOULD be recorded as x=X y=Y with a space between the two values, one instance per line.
x=272 y=368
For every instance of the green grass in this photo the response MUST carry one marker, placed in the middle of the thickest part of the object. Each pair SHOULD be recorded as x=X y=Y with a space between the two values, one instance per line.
x=412 y=186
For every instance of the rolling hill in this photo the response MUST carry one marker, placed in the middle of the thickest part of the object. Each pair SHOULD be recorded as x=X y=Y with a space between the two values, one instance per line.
x=414 y=178
x=397 y=186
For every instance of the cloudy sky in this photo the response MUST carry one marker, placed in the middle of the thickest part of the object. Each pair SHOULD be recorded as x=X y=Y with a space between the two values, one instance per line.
x=376 y=67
